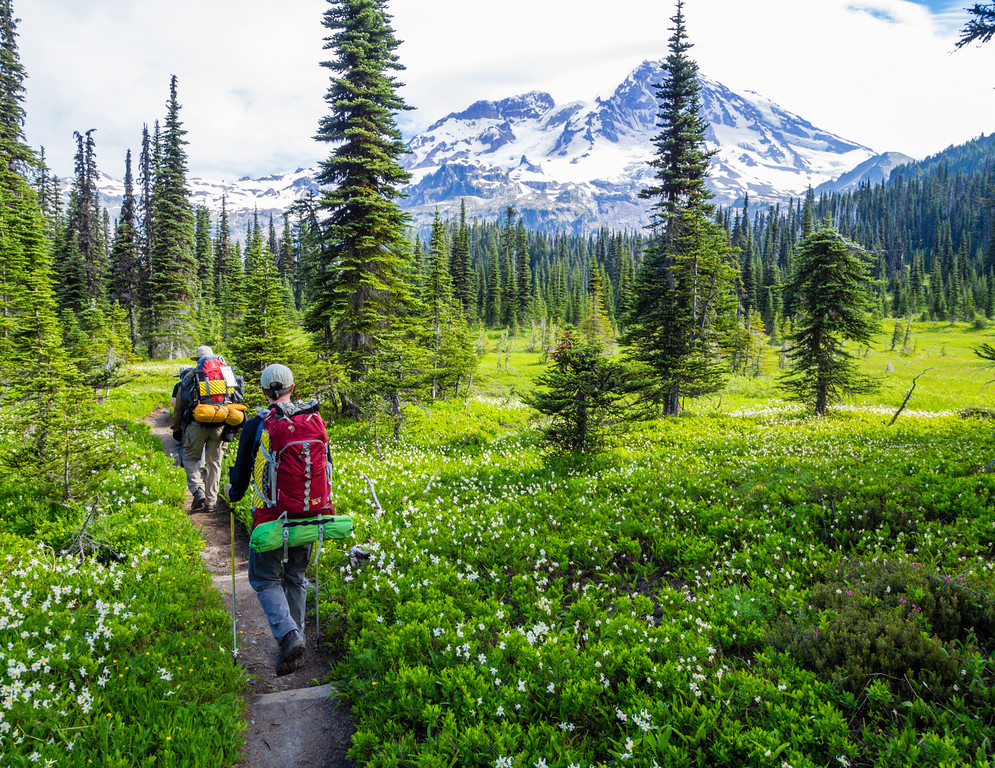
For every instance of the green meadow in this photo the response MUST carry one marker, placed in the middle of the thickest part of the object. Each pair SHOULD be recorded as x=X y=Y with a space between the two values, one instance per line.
x=743 y=585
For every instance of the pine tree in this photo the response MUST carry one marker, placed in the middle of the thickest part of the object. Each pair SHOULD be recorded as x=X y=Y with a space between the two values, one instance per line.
x=509 y=282
x=597 y=326
x=587 y=394
x=682 y=298
x=263 y=335
x=493 y=314
x=125 y=284
x=461 y=269
x=981 y=28
x=143 y=217
x=360 y=301
x=523 y=273
x=173 y=280
x=15 y=152
x=82 y=261
x=831 y=283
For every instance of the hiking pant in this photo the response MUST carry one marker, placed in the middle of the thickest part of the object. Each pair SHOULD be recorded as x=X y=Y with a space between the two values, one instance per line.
x=280 y=587
x=198 y=439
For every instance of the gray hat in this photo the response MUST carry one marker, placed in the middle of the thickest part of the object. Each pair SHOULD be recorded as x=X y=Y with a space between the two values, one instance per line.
x=203 y=351
x=277 y=377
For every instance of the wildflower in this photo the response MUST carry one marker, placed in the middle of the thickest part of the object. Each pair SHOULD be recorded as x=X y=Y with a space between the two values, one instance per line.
x=541 y=763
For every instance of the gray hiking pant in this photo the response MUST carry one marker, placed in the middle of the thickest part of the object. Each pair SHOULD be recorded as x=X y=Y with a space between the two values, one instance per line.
x=198 y=439
x=280 y=587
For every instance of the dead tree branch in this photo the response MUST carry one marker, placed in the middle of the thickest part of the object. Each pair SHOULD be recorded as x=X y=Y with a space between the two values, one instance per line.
x=907 y=396
x=373 y=495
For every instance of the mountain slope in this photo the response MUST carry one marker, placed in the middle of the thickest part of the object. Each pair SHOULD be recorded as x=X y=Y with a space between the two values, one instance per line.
x=576 y=166
x=582 y=165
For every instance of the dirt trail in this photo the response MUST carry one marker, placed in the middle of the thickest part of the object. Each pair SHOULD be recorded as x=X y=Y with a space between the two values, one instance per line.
x=292 y=720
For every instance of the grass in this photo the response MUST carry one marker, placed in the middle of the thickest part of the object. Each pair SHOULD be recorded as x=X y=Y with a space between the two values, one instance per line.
x=744 y=585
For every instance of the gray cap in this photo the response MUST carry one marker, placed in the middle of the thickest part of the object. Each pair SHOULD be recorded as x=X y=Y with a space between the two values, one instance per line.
x=276 y=376
x=203 y=351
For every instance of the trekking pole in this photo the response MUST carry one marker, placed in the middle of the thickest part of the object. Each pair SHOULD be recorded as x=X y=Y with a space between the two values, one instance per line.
x=317 y=616
x=234 y=632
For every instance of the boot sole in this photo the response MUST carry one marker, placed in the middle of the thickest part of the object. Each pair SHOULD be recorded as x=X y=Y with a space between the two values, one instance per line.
x=292 y=662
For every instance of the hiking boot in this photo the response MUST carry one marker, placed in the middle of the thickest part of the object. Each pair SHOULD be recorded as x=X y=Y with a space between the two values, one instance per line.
x=291 y=652
x=199 y=501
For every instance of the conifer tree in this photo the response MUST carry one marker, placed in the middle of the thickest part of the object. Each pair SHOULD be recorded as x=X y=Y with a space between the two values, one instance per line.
x=980 y=28
x=360 y=300
x=523 y=273
x=82 y=261
x=461 y=269
x=683 y=291
x=15 y=152
x=262 y=335
x=173 y=278
x=125 y=284
x=143 y=217
x=587 y=395
x=202 y=253
x=493 y=314
x=286 y=260
x=627 y=279
x=597 y=326
x=509 y=282
x=831 y=283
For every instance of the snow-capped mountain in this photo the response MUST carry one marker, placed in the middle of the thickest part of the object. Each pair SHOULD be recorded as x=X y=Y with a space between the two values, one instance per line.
x=581 y=165
x=270 y=196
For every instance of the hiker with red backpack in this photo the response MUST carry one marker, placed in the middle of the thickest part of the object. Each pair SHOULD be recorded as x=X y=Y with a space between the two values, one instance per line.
x=283 y=454
x=207 y=409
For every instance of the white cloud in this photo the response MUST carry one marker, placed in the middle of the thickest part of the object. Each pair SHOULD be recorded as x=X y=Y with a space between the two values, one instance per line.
x=880 y=72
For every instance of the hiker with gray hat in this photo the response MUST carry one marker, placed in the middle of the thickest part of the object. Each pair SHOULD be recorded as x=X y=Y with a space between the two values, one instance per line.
x=282 y=456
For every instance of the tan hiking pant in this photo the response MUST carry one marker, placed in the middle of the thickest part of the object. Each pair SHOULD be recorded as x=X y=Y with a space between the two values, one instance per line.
x=200 y=439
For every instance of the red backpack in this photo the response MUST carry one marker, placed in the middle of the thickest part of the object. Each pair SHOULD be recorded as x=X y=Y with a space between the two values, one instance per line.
x=293 y=472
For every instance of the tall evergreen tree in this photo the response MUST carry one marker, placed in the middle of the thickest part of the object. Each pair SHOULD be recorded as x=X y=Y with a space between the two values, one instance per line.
x=13 y=148
x=125 y=284
x=523 y=272
x=831 y=283
x=682 y=297
x=82 y=262
x=144 y=218
x=509 y=283
x=359 y=293
x=461 y=268
x=173 y=279
x=262 y=335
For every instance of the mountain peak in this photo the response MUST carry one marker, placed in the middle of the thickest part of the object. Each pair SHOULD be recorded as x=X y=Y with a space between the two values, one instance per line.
x=526 y=106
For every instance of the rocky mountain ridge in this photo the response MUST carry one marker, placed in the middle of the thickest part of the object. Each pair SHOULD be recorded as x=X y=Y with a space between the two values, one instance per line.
x=578 y=166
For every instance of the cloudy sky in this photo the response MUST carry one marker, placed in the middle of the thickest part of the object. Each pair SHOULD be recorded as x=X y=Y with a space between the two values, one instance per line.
x=884 y=73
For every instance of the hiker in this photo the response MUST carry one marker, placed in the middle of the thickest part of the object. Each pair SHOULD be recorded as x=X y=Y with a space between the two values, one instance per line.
x=284 y=490
x=209 y=385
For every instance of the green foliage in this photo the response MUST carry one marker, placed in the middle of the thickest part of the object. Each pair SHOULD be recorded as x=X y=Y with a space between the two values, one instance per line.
x=681 y=321
x=894 y=631
x=358 y=286
x=173 y=294
x=587 y=394
x=829 y=278
x=644 y=585
x=134 y=667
